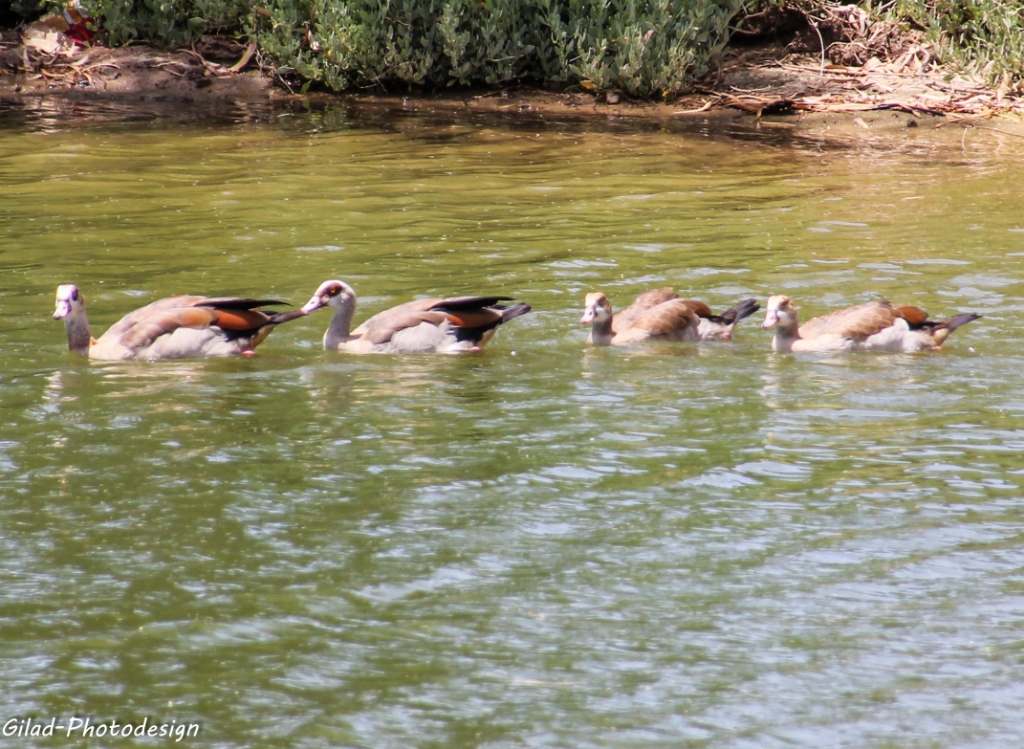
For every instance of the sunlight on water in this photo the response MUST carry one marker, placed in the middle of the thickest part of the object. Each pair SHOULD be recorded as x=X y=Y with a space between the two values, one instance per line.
x=545 y=544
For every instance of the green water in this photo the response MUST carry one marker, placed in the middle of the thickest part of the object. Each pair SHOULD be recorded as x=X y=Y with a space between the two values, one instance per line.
x=545 y=545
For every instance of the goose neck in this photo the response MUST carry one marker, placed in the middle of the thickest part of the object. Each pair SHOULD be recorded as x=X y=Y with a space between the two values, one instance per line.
x=77 y=326
x=341 y=324
x=601 y=332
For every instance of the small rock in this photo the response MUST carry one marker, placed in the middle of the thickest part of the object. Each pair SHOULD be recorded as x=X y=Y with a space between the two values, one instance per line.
x=612 y=97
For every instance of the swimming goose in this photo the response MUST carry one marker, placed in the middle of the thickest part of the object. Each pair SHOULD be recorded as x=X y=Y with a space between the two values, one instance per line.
x=875 y=326
x=435 y=325
x=669 y=320
x=712 y=327
x=173 y=328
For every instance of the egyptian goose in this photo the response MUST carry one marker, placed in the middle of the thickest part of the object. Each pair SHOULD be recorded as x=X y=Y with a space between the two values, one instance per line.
x=668 y=320
x=173 y=328
x=875 y=326
x=712 y=327
x=442 y=326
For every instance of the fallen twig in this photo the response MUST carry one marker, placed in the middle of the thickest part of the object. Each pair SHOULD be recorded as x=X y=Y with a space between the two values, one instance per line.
x=705 y=108
x=246 y=56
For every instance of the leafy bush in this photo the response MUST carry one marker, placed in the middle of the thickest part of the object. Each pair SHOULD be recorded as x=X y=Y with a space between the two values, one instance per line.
x=980 y=36
x=164 y=22
x=641 y=47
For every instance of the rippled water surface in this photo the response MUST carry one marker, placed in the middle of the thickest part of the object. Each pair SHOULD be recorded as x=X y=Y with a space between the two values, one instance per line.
x=543 y=545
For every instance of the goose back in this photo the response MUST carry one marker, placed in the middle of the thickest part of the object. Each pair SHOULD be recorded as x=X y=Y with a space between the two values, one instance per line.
x=711 y=327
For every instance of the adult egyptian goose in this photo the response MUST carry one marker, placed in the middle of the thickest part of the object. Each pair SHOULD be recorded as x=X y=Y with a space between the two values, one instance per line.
x=173 y=328
x=649 y=320
x=442 y=326
x=875 y=326
x=712 y=327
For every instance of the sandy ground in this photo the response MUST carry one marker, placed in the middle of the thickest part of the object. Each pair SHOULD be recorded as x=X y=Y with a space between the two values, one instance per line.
x=766 y=86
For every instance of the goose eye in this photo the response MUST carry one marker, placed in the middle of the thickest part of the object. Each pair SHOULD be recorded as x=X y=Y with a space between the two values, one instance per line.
x=74 y=295
x=334 y=291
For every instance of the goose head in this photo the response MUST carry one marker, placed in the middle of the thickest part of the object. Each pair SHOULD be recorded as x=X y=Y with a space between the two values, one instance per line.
x=69 y=301
x=781 y=311
x=596 y=308
x=330 y=294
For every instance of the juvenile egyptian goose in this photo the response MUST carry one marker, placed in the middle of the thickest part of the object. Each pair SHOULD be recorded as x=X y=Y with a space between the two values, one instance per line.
x=669 y=320
x=443 y=326
x=173 y=328
x=875 y=326
x=712 y=327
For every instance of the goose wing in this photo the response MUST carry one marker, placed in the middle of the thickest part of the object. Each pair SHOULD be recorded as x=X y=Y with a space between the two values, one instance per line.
x=135 y=316
x=731 y=316
x=939 y=330
x=669 y=319
x=471 y=313
x=856 y=323
x=646 y=301
x=382 y=326
x=699 y=308
x=235 y=317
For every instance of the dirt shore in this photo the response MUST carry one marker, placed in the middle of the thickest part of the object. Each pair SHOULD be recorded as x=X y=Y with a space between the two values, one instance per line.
x=767 y=83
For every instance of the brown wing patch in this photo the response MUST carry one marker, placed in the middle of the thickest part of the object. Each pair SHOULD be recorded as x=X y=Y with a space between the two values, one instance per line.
x=667 y=319
x=191 y=317
x=241 y=319
x=699 y=307
x=857 y=323
x=646 y=301
x=913 y=315
x=654 y=297
x=145 y=332
x=480 y=318
x=160 y=305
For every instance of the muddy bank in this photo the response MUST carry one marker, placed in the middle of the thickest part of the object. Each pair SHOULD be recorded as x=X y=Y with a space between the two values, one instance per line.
x=132 y=74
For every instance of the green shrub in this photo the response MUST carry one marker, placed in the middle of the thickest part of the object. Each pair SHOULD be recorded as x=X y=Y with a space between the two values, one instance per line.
x=641 y=47
x=980 y=36
x=165 y=22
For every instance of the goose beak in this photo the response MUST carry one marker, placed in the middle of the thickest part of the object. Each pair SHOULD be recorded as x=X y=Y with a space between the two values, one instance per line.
x=63 y=309
x=313 y=304
x=588 y=316
x=771 y=319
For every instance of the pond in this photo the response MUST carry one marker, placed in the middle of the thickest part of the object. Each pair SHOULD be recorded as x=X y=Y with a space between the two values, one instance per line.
x=545 y=544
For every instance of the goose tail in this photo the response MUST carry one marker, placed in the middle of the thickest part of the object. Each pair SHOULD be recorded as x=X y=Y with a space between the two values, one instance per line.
x=514 y=311
x=744 y=309
x=956 y=321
